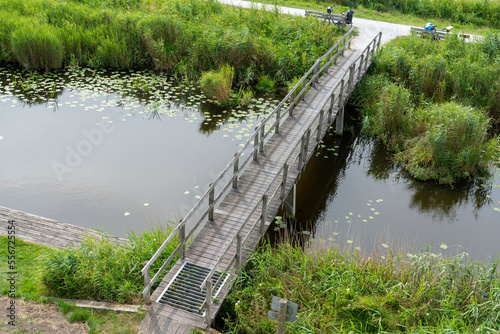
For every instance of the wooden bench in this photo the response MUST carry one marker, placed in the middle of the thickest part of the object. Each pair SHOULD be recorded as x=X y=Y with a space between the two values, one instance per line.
x=329 y=17
x=434 y=34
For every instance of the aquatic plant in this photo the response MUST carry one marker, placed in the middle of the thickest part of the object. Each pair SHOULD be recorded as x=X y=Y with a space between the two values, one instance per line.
x=217 y=84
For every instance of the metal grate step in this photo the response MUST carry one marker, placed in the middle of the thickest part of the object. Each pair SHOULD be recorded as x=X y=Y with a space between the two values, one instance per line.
x=183 y=291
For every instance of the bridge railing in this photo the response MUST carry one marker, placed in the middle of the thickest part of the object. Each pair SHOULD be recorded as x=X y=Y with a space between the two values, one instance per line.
x=258 y=138
x=296 y=159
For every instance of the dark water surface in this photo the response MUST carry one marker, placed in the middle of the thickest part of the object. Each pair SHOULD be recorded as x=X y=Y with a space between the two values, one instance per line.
x=353 y=196
x=115 y=151
x=121 y=151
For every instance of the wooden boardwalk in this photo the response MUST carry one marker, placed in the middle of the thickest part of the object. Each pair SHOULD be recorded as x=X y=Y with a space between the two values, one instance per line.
x=237 y=209
x=44 y=231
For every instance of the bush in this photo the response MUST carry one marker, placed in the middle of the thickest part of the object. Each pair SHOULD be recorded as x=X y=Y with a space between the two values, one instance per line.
x=217 y=84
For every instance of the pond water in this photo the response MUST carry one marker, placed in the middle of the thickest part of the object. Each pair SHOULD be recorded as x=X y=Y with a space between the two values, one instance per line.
x=115 y=151
x=351 y=195
x=121 y=151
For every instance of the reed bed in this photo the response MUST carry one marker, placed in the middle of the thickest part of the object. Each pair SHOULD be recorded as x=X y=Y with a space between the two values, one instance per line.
x=183 y=37
x=341 y=291
x=436 y=105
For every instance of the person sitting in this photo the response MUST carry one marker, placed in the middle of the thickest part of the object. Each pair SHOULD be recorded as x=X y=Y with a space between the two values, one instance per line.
x=348 y=16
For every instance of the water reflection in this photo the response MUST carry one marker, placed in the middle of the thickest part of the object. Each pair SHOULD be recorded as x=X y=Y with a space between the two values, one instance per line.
x=351 y=190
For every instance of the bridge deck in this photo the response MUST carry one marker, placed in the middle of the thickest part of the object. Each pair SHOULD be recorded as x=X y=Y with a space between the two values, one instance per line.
x=212 y=240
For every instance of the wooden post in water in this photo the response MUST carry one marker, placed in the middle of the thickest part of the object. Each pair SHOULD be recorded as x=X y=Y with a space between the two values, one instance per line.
x=182 y=244
x=235 y=171
x=210 y=202
x=208 y=302
x=340 y=122
x=264 y=214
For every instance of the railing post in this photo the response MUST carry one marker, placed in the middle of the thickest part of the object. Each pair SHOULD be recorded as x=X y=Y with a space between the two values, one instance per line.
x=208 y=302
x=283 y=183
x=367 y=56
x=264 y=214
x=255 y=143
x=350 y=38
x=379 y=40
x=278 y=119
x=182 y=236
x=315 y=72
x=373 y=49
x=235 y=171
x=147 y=296
x=303 y=89
x=330 y=111
x=340 y=122
x=262 y=131
x=320 y=125
x=352 y=68
x=239 y=247
x=336 y=54
x=308 y=136
x=360 y=66
x=292 y=103
x=328 y=62
x=210 y=202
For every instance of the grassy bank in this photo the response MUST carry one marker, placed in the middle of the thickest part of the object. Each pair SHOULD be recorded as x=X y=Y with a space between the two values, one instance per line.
x=182 y=37
x=436 y=105
x=345 y=292
x=30 y=266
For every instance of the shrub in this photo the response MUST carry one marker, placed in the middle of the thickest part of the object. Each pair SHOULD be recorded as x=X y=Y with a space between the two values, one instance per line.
x=217 y=84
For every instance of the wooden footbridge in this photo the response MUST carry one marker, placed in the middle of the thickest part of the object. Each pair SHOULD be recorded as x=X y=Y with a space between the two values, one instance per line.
x=236 y=210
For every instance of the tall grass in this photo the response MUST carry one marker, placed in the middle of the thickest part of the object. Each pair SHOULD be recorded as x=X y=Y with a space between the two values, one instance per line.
x=101 y=269
x=436 y=105
x=345 y=292
x=217 y=84
x=183 y=37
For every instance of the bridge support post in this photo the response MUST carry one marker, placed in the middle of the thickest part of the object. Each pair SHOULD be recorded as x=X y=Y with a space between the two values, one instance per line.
x=263 y=215
x=182 y=236
x=290 y=203
x=340 y=122
x=235 y=171
x=283 y=183
x=208 y=302
x=239 y=247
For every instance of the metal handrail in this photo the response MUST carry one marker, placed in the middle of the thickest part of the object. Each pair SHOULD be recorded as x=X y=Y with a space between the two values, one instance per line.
x=145 y=270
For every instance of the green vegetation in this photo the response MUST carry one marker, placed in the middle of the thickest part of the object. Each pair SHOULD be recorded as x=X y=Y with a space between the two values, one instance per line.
x=101 y=270
x=217 y=84
x=183 y=37
x=30 y=264
x=436 y=105
x=345 y=292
